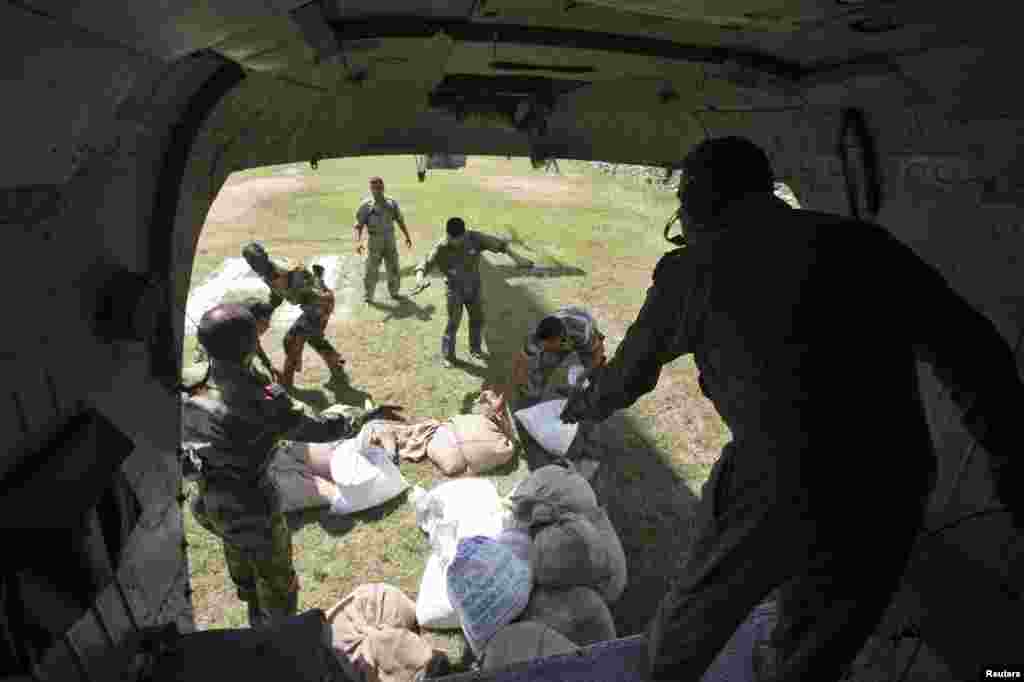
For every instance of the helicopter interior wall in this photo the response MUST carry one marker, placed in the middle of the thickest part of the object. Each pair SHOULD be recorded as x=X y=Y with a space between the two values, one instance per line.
x=85 y=148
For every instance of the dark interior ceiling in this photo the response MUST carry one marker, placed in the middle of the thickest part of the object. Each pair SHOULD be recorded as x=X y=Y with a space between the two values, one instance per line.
x=502 y=53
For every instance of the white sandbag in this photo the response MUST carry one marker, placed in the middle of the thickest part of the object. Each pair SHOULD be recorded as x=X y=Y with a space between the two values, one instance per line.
x=488 y=586
x=523 y=642
x=365 y=476
x=449 y=512
x=579 y=613
x=542 y=421
x=468 y=500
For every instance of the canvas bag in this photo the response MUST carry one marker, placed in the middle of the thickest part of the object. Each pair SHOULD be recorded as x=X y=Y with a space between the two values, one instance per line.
x=522 y=642
x=581 y=550
x=298 y=486
x=374 y=635
x=488 y=586
x=579 y=613
x=365 y=475
x=449 y=512
x=543 y=422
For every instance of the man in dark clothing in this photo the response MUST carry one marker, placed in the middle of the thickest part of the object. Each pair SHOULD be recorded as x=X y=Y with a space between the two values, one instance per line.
x=797 y=321
x=458 y=257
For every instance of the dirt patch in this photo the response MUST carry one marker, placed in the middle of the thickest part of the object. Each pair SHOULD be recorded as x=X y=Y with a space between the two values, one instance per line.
x=551 y=189
x=236 y=198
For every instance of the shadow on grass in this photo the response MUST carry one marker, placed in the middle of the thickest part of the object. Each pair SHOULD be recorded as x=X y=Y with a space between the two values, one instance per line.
x=337 y=525
x=405 y=308
x=650 y=505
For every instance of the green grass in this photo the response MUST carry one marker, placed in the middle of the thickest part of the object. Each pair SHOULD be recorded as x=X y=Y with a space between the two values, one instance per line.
x=610 y=228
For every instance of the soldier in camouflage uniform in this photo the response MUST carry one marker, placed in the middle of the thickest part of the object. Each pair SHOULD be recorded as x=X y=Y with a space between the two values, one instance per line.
x=300 y=287
x=458 y=257
x=232 y=423
x=378 y=214
x=569 y=336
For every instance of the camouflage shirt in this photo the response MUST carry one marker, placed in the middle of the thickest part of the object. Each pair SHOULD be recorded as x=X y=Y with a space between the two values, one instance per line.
x=461 y=264
x=300 y=287
x=379 y=218
x=581 y=333
x=235 y=424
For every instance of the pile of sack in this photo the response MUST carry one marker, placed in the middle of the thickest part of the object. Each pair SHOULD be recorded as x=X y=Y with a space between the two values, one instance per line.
x=525 y=576
x=364 y=471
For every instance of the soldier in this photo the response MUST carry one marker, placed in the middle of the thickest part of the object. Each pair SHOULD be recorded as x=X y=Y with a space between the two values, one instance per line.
x=458 y=257
x=799 y=320
x=567 y=337
x=300 y=287
x=232 y=422
x=378 y=214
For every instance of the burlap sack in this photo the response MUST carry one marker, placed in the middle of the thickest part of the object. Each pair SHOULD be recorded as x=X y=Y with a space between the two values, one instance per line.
x=374 y=635
x=482 y=443
x=580 y=550
x=579 y=613
x=550 y=492
x=443 y=450
x=522 y=642
x=299 y=487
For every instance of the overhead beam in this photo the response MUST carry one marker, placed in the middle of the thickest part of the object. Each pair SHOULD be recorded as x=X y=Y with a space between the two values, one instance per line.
x=494 y=33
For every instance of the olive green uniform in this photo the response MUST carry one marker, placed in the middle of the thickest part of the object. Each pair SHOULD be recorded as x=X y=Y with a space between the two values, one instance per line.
x=234 y=427
x=379 y=219
x=461 y=267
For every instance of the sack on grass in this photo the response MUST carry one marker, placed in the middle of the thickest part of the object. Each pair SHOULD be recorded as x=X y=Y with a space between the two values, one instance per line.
x=579 y=613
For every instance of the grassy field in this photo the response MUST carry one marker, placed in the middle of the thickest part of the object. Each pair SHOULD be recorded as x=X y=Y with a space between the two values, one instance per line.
x=605 y=230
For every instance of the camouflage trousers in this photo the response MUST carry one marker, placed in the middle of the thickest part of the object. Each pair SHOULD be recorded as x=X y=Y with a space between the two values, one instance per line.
x=376 y=252
x=246 y=516
x=309 y=328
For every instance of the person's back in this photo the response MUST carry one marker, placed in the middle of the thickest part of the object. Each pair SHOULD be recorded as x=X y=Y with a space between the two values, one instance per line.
x=805 y=329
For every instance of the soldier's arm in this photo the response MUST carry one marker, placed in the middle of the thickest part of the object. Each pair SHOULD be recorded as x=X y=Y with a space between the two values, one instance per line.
x=491 y=243
x=400 y=219
x=656 y=337
x=357 y=229
x=428 y=262
x=275 y=300
x=264 y=359
x=298 y=421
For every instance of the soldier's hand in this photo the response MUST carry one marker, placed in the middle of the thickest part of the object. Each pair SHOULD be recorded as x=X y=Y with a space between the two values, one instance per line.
x=572 y=413
x=408 y=243
x=359 y=248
